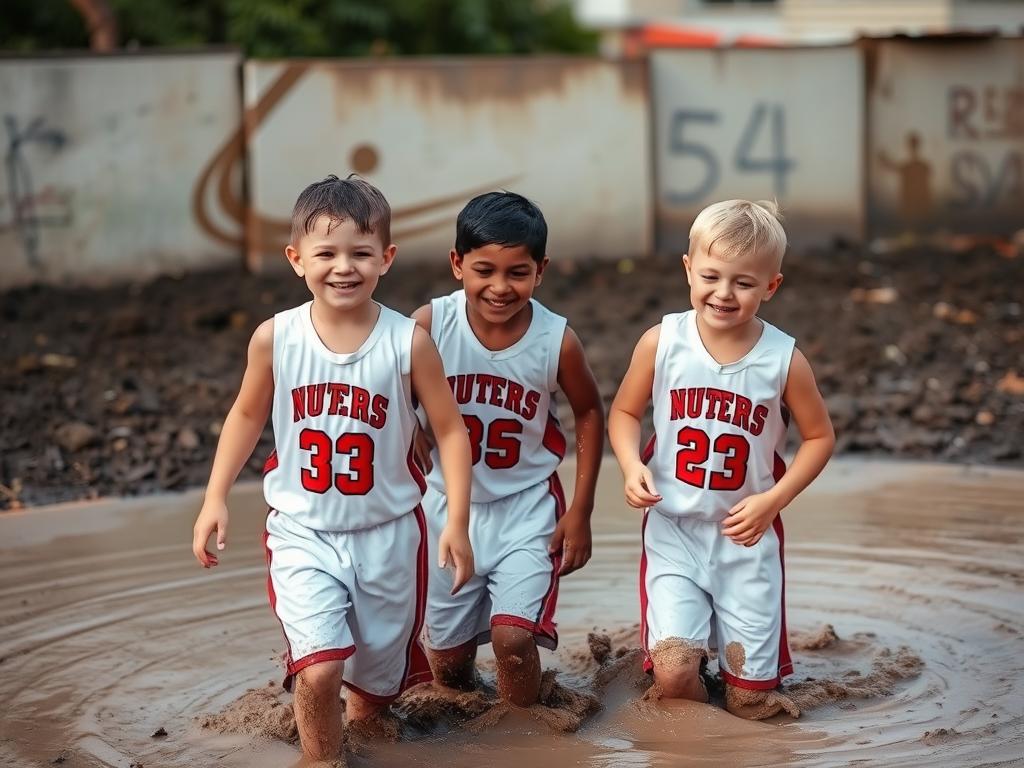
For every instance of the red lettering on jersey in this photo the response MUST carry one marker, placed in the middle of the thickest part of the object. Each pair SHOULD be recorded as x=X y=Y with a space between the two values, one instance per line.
x=497 y=385
x=694 y=402
x=530 y=405
x=757 y=422
x=514 y=397
x=742 y=415
x=678 y=403
x=337 y=391
x=483 y=383
x=462 y=387
x=298 y=404
x=724 y=405
x=360 y=404
x=315 y=399
x=380 y=411
x=714 y=399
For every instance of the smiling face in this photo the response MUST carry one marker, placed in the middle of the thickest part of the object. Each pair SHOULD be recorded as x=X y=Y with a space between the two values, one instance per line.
x=726 y=294
x=341 y=266
x=499 y=280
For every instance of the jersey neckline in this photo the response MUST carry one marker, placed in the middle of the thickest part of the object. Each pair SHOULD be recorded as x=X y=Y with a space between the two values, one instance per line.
x=693 y=333
x=461 y=310
x=341 y=358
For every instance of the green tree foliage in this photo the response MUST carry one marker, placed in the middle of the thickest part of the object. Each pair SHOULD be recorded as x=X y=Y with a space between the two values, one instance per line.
x=281 y=28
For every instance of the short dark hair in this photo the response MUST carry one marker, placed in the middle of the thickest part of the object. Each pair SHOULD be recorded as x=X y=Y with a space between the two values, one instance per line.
x=340 y=199
x=501 y=218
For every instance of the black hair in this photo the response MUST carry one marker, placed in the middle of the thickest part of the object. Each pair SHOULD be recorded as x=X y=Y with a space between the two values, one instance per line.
x=501 y=218
x=340 y=199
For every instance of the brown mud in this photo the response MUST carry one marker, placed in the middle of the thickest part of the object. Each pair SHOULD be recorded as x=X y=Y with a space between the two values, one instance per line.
x=123 y=391
x=903 y=589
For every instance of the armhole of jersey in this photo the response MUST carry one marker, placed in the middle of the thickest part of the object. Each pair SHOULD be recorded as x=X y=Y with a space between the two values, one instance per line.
x=787 y=348
x=558 y=326
x=405 y=330
x=666 y=335
x=437 y=317
x=277 y=345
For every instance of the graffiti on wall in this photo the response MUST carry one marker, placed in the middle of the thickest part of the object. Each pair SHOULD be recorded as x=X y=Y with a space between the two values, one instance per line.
x=264 y=233
x=24 y=209
x=761 y=149
x=991 y=115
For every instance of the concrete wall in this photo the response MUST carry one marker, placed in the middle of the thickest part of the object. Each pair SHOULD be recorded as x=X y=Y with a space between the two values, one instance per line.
x=102 y=158
x=571 y=134
x=946 y=127
x=766 y=123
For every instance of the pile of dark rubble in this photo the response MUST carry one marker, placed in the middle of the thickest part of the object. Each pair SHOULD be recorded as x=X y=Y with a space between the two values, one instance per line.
x=919 y=352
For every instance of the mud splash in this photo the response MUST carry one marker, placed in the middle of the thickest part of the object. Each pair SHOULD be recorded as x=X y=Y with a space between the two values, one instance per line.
x=115 y=649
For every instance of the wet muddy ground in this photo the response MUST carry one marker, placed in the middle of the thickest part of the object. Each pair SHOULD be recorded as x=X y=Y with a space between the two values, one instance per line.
x=122 y=391
x=904 y=591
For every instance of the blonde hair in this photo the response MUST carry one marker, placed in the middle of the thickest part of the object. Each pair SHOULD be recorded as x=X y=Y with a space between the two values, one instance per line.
x=735 y=227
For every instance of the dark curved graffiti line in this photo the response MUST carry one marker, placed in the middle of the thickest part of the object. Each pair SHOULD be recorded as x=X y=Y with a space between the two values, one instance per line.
x=25 y=204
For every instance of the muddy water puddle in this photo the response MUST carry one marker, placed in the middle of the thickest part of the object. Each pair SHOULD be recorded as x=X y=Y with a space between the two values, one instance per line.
x=111 y=636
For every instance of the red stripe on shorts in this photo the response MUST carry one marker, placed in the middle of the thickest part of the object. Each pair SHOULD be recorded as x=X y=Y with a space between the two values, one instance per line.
x=648 y=664
x=785 y=661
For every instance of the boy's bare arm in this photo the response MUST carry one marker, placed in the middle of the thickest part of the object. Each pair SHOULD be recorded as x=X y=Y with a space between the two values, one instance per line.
x=431 y=389
x=239 y=435
x=624 y=421
x=422 y=444
x=572 y=534
x=749 y=519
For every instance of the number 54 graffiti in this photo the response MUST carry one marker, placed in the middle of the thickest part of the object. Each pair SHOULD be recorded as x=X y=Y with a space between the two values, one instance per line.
x=763 y=117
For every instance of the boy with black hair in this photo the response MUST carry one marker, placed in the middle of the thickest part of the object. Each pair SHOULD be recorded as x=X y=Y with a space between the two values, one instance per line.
x=505 y=355
x=345 y=535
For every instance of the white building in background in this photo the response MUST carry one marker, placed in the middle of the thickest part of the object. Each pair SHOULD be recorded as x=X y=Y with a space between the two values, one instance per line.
x=697 y=22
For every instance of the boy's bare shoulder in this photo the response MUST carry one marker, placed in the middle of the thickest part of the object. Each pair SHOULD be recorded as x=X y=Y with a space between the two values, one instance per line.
x=423 y=317
x=649 y=340
x=263 y=336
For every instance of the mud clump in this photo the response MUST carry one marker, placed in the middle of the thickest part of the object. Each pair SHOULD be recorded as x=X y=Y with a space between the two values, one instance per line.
x=887 y=669
x=758 y=705
x=736 y=656
x=426 y=706
x=677 y=652
x=939 y=736
x=257 y=712
x=824 y=637
x=600 y=647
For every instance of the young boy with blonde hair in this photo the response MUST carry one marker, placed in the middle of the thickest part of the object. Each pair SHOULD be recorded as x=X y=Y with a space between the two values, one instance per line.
x=724 y=384
x=345 y=535
x=505 y=356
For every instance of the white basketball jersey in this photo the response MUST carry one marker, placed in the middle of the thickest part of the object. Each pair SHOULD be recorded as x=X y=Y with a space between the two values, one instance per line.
x=343 y=426
x=719 y=429
x=505 y=396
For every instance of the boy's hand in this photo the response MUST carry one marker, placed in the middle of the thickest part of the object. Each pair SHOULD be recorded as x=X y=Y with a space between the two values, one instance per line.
x=749 y=519
x=421 y=448
x=212 y=517
x=640 y=490
x=572 y=537
x=453 y=548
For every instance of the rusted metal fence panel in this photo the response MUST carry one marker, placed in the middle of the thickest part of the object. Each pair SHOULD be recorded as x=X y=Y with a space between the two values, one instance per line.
x=946 y=135
x=569 y=133
x=106 y=159
x=759 y=123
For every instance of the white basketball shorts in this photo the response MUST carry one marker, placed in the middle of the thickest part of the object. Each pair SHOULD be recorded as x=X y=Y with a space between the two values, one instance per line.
x=697 y=585
x=516 y=579
x=358 y=596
